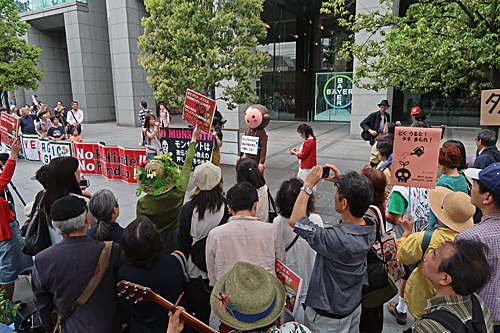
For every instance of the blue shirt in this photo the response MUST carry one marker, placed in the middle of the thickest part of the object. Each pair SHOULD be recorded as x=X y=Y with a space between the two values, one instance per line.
x=56 y=132
x=339 y=271
x=28 y=123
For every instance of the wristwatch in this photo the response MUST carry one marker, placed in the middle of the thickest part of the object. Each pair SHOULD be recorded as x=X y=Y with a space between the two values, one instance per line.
x=307 y=190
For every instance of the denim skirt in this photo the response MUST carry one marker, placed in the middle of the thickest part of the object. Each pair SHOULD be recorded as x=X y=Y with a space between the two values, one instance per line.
x=12 y=259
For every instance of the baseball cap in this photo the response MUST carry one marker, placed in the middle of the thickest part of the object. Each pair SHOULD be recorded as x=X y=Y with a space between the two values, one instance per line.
x=489 y=176
x=415 y=110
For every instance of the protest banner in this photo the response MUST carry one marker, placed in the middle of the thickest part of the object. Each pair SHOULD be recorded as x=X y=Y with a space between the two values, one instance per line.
x=198 y=110
x=490 y=107
x=415 y=156
x=250 y=144
x=293 y=285
x=176 y=142
x=9 y=127
x=112 y=162
x=44 y=150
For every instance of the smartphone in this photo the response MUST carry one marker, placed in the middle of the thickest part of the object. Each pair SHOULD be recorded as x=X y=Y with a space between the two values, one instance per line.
x=326 y=172
x=84 y=182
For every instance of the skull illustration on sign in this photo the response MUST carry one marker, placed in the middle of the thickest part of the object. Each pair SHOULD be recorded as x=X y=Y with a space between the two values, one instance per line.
x=164 y=146
x=403 y=174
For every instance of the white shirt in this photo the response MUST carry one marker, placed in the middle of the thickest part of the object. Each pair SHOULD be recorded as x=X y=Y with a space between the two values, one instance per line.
x=78 y=115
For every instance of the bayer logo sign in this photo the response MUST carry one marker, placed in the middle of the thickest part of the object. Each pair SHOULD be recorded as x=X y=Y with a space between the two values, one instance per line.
x=338 y=91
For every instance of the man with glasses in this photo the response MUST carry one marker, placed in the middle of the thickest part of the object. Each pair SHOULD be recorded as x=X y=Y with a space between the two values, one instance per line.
x=487 y=152
x=339 y=273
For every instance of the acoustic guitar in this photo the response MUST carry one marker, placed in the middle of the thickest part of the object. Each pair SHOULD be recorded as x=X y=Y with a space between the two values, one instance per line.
x=144 y=294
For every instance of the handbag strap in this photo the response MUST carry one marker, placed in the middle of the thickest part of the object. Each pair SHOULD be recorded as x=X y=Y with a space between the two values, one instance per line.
x=270 y=198
x=74 y=116
x=292 y=243
x=102 y=267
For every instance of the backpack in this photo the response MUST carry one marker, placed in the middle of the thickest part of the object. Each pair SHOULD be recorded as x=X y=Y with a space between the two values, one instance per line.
x=495 y=155
x=425 y=244
x=452 y=323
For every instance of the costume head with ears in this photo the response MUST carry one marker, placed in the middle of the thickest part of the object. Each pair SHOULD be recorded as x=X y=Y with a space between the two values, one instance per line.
x=257 y=116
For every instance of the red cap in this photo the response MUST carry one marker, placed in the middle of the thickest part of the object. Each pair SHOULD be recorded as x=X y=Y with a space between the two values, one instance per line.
x=415 y=110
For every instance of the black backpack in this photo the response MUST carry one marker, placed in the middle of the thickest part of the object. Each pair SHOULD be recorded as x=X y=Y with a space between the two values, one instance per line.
x=451 y=322
x=491 y=153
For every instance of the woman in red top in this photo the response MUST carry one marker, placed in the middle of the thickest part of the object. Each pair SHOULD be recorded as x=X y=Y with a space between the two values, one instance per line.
x=307 y=152
x=12 y=260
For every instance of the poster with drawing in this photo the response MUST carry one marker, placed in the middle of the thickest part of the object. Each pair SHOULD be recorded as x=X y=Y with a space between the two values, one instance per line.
x=415 y=156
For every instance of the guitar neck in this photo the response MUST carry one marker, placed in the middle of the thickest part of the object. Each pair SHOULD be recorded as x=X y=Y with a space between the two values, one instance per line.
x=186 y=317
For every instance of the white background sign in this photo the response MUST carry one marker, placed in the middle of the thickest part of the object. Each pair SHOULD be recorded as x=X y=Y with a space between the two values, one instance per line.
x=250 y=144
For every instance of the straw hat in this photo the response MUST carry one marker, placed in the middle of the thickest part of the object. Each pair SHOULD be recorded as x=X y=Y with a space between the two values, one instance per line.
x=453 y=209
x=248 y=297
x=158 y=176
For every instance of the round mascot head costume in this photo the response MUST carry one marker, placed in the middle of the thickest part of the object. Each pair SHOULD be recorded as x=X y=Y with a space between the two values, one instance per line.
x=257 y=117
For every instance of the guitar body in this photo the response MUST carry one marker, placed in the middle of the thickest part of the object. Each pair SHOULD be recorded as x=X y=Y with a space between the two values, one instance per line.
x=144 y=294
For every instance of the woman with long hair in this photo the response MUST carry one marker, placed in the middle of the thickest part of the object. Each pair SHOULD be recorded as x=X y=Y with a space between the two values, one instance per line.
x=205 y=211
x=63 y=178
x=248 y=171
x=142 y=247
x=104 y=206
x=372 y=319
x=151 y=131
x=307 y=151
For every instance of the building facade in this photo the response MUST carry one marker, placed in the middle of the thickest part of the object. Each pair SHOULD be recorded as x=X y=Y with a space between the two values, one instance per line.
x=89 y=50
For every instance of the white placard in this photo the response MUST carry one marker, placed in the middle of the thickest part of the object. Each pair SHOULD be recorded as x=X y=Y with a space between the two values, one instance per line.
x=250 y=144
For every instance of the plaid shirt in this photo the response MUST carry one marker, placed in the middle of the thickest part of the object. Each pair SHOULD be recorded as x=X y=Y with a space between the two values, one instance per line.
x=488 y=232
x=461 y=306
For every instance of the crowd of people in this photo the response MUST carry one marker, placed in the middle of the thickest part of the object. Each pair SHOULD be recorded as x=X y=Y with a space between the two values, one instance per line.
x=64 y=123
x=219 y=249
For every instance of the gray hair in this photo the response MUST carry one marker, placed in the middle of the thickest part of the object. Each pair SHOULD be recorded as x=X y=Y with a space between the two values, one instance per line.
x=488 y=137
x=101 y=205
x=71 y=225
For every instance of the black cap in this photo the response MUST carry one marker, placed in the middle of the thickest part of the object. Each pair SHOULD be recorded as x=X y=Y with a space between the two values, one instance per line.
x=67 y=207
x=384 y=102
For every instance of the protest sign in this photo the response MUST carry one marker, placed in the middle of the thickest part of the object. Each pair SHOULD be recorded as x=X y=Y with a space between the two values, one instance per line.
x=293 y=285
x=9 y=127
x=250 y=144
x=112 y=162
x=44 y=150
x=415 y=156
x=176 y=142
x=198 y=110
x=490 y=107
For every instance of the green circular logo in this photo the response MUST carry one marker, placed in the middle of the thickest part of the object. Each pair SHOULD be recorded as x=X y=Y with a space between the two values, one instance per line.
x=338 y=91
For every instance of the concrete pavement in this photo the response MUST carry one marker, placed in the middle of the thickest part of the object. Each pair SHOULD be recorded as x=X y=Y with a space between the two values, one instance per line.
x=333 y=146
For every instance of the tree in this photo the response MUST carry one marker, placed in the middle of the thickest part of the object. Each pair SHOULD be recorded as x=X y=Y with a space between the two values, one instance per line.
x=438 y=45
x=197 y=44
x=18 y=59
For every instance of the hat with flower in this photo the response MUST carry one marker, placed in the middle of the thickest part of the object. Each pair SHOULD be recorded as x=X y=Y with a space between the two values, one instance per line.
x=158 y=175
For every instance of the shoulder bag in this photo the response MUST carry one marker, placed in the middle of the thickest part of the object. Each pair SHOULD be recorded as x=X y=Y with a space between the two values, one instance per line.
x=272 y=214
x=37 y=236
x=381 y=286
x=102 y=267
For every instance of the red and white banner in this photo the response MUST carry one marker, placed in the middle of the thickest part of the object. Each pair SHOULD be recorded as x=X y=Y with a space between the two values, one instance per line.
x=112 y=162
x=198 y=110
x=9 y=126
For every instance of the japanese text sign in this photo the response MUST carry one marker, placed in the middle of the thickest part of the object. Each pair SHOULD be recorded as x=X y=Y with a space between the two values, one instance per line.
x=9 y=127
x=490 y=107
x=415 y=156
x=176 y=142
x=293 y=285
x=250 y=144
x=198 y=110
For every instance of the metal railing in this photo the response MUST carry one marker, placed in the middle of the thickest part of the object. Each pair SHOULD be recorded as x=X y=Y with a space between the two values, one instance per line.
x=32 y=5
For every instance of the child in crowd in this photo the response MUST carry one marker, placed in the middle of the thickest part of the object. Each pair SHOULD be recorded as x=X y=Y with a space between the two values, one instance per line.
x=56 y=132
x=75 y=136
x=44 y=123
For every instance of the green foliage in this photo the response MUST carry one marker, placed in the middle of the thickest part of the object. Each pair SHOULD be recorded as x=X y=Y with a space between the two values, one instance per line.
x=439 y=45
x=7 y=312
x=18 y=59
x=197 y=44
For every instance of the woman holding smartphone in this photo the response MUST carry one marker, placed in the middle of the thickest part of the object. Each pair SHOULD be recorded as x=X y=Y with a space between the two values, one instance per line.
x=307 y=151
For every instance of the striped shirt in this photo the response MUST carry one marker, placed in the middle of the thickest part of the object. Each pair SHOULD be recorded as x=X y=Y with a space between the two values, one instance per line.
x=488 y=232
x=461 y=306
